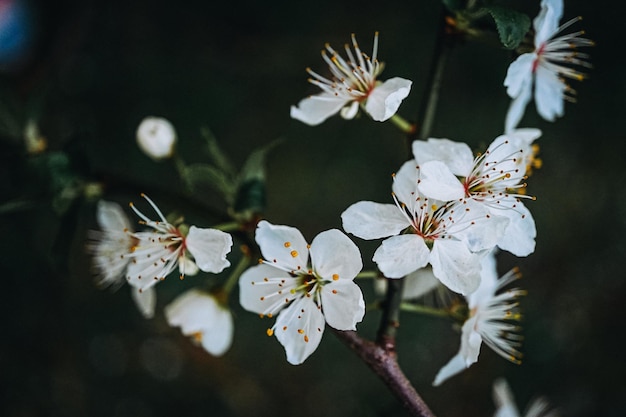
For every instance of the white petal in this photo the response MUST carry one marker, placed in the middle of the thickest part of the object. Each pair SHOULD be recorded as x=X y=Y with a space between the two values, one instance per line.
x=488 y=282
x=519 y=235
x=335 y=256
x=156 y=137
x=385 y=99
x=349 y=111
x=503 y=397
x=405 y=184
x=369 y=220
x=209 y=248
x=546 y=23
x=110 y=216
x=400 y=255
x=283 y=245
x=145 y=300
x=468 y=353
x=198 y=314
x=342 y=305
x=455 y=266
x=299 y=329
x=264 y=289
x=479 y=229
x=314 y=110
x=549 y=90
x=457 y=156
x=437 y=181
x=453 y=367
x=519 y=80
x=419 y=283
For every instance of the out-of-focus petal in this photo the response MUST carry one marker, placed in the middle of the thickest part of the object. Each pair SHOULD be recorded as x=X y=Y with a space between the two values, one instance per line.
x=209 y=248
x=314 y=110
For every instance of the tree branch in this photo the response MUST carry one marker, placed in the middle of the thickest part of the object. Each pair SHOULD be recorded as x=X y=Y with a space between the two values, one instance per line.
x=385 y=364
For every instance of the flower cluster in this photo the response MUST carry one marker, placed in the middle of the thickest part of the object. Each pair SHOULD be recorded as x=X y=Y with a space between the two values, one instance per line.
x=450 y=210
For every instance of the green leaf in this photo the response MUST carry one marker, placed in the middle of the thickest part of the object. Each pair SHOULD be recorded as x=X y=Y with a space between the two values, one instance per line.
x=198 y=174
x=512 y=25
x=218 y=157
x=251 y=191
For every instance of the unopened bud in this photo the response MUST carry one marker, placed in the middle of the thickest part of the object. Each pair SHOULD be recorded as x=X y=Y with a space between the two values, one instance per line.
x=156 y=137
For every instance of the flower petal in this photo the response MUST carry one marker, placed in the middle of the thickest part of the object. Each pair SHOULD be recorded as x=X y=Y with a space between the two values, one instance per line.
x=198 y=314
x=283 y=245
x=369 y=220
x=437 y=181
x=519 y=80
x=315 y=109
x=457 y=156
x=405 y=185
x=549 y=91
x=342 y=305
x=111 y=217
x=299 y=329
x=335 y=256
x=266 y=290
x=455 y=266
x=145 y=300
x=400 y=255
x=468 y=353
x=419 y=283
x=209 y=248
x=546 y=23
x=520 y=233
x=385 y=99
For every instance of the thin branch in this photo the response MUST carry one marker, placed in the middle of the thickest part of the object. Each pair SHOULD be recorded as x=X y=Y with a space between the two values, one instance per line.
x=384 y=363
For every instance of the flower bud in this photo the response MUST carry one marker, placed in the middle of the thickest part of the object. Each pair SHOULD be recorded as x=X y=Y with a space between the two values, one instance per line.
x=156 y=137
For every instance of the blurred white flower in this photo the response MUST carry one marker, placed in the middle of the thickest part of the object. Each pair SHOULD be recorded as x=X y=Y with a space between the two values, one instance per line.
x=156 y=137
x=489 y=321
x=306 y=285
x=451 y=237
x=546 y=66
x=494 y=179
x=202 y=317
x=158 y=252
x=111 y=247
x=505 y=403
x=353 y=83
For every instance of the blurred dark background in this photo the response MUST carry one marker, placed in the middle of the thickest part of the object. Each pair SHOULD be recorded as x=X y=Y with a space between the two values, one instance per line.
x=87 y=72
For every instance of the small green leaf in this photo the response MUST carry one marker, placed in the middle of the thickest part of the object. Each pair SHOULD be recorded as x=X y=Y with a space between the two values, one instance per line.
x=218 y=157
x=198 y=174
x=512 y=25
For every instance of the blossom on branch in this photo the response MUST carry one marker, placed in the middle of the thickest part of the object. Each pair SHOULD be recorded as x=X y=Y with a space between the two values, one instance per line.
x=308 y=286
x=494 y=179
x=159 y=251
x=156 y=137
x=201 y=316
x=451 y=237
x=546 y=66
x=489 y=321
x=353 y=83
x=505 y=403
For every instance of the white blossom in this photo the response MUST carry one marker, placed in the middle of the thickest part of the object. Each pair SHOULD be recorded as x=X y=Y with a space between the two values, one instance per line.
x=451 y=237
x=159 y=251
x=156 y=137
x=202 y=317
x=505 y=403
x=111 y=247
x=490 y=321
x=353 y=84
x=494 y=179
x=308 y=286
x=545 y=67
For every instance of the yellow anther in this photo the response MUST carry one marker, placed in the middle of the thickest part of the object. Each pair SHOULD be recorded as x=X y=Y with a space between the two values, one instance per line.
x=270 y=332
x=300 y=331
x=287 y=244
x=294 y=253
x=335 y=277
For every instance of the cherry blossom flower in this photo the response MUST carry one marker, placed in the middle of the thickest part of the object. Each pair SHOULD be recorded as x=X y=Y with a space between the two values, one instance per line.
x=353 y=83
x=451 y=237
x=489 y=321
x=505 y=403
x=308 y=286
x=546 y=67
x=201 y=316
x=159 y=251
x=494 y=179
x=156 y=137
x=111 y=247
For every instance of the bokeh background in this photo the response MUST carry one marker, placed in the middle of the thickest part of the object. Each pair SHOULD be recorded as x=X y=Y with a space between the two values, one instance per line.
x=87 y=72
